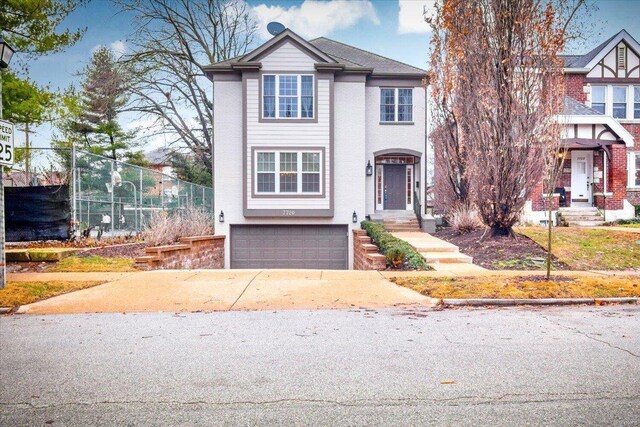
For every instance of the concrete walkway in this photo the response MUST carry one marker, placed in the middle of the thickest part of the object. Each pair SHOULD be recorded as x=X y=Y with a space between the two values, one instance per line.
x=439 y=254
x=222 y=290
x=614 y=228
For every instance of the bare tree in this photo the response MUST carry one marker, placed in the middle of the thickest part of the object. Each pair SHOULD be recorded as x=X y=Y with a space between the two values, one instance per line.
x=173 y=41
x=450 y=150
x=505 y=77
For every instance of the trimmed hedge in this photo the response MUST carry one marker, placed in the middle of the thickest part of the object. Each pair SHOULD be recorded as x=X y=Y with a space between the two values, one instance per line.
x=387 y=243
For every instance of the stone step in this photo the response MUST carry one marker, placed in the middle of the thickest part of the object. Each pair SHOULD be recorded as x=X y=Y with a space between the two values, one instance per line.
x=583 y=218
x=400 y=228
x=426 y=248
x=446 y=257
x=585 y=223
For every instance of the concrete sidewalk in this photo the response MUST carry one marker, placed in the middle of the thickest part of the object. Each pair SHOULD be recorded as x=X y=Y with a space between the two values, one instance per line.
x=222 y=290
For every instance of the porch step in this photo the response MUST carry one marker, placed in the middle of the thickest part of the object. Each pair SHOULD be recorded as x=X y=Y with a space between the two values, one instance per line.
x=446 y=257
x=582 y=217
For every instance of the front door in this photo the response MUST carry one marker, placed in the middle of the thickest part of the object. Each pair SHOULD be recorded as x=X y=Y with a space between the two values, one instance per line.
x=395 y=193
x=581 y=178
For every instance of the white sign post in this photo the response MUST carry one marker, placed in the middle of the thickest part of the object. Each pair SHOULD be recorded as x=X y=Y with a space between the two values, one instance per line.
x=6 y=159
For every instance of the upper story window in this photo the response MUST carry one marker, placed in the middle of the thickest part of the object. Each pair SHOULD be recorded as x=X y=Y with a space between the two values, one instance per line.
x=288 y=172
x=599 y=98
x=287 y=96
x=620 y=101
x=396 y=105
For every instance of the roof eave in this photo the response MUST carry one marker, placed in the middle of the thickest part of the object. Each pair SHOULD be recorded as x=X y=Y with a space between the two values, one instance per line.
x=577 y=70
x=590 y=119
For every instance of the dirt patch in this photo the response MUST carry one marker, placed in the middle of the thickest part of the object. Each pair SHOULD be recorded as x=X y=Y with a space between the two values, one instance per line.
x=500 y=253
x=130 y=250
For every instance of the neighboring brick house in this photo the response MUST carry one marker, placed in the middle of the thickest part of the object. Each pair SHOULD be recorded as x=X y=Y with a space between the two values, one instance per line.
x=310 y=137
x=602 y=131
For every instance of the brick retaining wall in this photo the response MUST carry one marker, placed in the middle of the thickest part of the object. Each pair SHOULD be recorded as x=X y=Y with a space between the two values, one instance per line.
x=189 y=253
x=365 y=253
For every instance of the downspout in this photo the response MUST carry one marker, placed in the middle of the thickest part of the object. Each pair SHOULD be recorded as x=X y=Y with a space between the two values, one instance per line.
x=213 y=165
x=426 y=145
x=606 y=178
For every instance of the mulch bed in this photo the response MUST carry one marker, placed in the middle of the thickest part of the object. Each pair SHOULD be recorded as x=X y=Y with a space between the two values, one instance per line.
x=500 y=253
x=129 y=250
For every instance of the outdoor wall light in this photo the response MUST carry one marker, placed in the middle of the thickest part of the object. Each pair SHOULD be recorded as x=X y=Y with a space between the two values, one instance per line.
x=221 y=216
x=369 y=168
x=354 y=217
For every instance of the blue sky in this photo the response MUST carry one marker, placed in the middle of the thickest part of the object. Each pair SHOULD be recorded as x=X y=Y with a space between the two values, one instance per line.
x=388 y=27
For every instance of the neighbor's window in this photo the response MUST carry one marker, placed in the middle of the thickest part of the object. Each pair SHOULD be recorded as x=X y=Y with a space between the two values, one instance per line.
x=620 y=102
x=637 y=170
x=636 y=102
x=598 y=97
x=288 y=172
x=287 y=96
x=396 y=105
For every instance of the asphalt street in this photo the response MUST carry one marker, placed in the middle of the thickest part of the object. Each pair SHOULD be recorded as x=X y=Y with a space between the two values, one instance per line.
x=512 y=367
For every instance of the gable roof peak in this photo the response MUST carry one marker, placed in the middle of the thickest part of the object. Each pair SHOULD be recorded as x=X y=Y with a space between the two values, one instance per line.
x=279 y=39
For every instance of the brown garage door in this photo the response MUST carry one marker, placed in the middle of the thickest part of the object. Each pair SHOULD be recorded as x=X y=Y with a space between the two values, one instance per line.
x=289 y=246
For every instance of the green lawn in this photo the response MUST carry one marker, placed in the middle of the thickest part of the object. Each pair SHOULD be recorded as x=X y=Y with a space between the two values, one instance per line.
x=590 y=248
x=94 y=264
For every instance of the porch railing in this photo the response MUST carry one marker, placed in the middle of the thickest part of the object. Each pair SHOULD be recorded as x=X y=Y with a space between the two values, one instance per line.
x=417 y=207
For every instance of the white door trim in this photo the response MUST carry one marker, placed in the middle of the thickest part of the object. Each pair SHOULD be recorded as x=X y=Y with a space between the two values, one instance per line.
x=581 y=178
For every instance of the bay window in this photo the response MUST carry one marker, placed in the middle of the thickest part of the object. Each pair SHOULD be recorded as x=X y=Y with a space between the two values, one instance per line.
x=288 y=172
x=396 y=105
x=287 y=96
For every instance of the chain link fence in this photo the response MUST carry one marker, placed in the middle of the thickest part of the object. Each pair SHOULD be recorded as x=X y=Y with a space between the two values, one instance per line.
x=115 y=197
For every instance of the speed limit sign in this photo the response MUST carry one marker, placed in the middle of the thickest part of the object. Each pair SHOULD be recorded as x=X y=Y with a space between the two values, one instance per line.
x=6 y=143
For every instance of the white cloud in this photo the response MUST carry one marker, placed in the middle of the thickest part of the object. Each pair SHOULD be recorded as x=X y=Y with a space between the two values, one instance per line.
x=411 y=16
x=316 y=18
x=118 y=47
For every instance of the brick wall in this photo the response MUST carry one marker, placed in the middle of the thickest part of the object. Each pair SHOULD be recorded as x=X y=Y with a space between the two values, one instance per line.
x=617 y=177
x=190 y=253
x=365 y=253
x=574 y=86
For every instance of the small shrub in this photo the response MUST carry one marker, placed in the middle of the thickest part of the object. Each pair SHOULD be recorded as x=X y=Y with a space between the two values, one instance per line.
x=165 y=228
x=394 y=248
x=395 y=256
x=464 y=219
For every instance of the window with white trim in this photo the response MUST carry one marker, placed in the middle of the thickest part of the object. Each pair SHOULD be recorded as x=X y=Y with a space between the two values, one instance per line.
x=634 y=169
x=620 y=102
x=599 y=98
x=288 y=96
x=288 y=172
x=396 y=105
x=636 y=102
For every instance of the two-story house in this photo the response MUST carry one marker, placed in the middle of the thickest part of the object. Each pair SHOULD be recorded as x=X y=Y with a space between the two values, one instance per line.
x=310 y=137
x=602 y=131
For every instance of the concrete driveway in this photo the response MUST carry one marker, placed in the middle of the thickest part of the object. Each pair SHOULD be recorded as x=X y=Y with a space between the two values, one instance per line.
x=222 y=290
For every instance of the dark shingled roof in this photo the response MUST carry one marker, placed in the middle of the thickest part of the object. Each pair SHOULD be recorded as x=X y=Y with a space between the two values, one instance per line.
x=355 y=57
x=581 y=61
x=573 y=107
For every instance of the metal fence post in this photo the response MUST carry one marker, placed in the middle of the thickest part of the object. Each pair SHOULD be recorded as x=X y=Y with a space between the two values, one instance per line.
x=140 y=204
x=112 y=201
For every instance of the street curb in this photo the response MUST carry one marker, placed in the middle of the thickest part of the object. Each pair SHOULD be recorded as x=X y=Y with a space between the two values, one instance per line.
x=506 y=302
